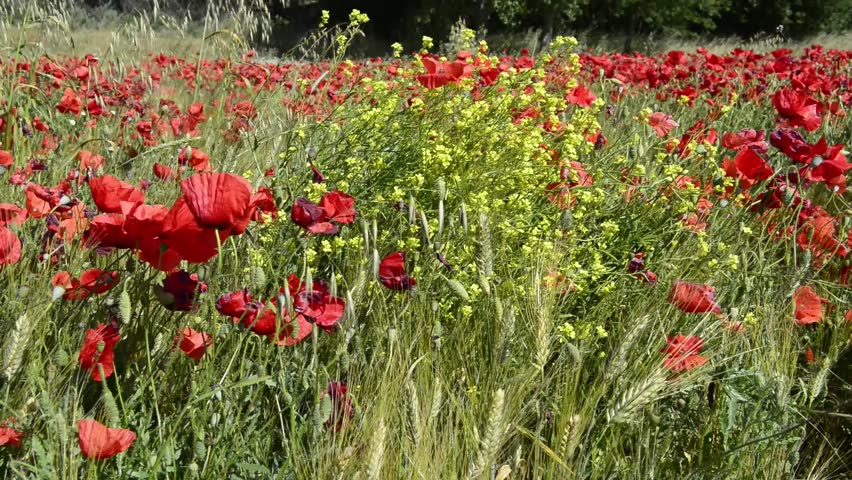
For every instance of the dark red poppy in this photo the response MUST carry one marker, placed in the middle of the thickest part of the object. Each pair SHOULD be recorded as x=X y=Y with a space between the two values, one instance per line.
x=335 y=208
x=97 y=351
x=392 y=273
x=108 y=192
x=98 y=442
x=808 y=305
x=341 y=405
x=179 y=290
x=233 y=304
x=10 y=247
x=315 y=303
x=193 y=343
x=692 y=297
x=682 y=353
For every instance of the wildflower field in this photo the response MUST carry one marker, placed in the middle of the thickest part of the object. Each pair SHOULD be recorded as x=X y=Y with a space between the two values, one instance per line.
x=471 y=264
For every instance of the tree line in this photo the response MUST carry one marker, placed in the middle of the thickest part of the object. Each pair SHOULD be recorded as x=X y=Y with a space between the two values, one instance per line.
x=407 y=21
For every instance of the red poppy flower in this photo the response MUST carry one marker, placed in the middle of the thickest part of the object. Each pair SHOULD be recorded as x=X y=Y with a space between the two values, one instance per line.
x=92 y=282
x=392 y=273
x=662 y=123
x=335 y=208
x=10 y=436
x=692 y=297
x=338 y=207
x=746 y=138
x=581 y=96
x=108 y=192
x=316 y=304
x=439 y=74
x=220 y=201
x=98 y=442
x=10 y=247
x=808 y=306
x=179 y=290
x=233 y=304
x=12 y=214
x=165 y=173
x=6 y=159
x=70 y=103
x=341 y=405
x=193 y=343
x=199 y=160
x=183 y=234
x=98 y=350
x=89 y=160
x=682 y=353
x=749 y=167
x=798 y=108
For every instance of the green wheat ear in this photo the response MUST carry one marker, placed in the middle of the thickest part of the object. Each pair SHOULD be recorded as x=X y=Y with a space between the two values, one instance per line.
x=16 y=346
x=458 y=289
x=125 y=307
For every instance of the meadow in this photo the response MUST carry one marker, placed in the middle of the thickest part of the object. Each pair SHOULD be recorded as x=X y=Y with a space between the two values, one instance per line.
x=438 y=264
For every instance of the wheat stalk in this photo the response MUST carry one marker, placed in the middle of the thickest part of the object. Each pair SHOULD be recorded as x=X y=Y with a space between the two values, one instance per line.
x=377 y=451
x=16 y=345
x=635 y=398
x=493 y=437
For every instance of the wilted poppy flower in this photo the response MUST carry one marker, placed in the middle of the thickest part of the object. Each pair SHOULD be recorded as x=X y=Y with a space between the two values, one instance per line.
x=682 y=353
x=179 y=290
x=662 y=123
x=392 y=273
x=10 y=247
x=98 y=442
x=109 y=192
x=341 y=405
x=193 y=343
x=98 y=350
x=808 y=306
x=692 y=297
